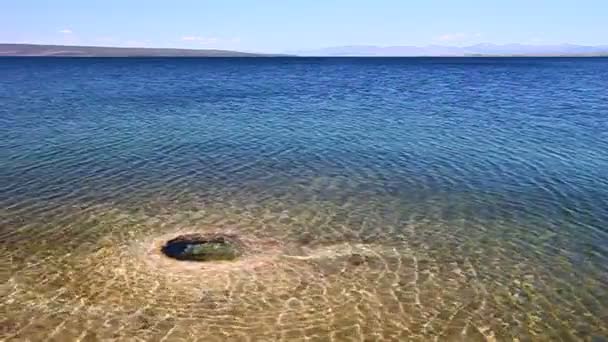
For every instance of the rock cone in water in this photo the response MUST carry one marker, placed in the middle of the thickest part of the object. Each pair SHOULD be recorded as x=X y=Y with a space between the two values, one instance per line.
x=198 y=247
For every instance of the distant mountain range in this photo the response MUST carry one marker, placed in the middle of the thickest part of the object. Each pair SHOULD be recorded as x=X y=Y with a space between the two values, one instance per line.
x=98 y=51
x=473 y=50
x=353 y=50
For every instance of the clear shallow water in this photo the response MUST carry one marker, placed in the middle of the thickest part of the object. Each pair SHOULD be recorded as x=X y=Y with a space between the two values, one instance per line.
x=421 y=199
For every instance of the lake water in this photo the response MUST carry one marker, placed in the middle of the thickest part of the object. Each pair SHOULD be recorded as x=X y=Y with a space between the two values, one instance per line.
x=381 y=199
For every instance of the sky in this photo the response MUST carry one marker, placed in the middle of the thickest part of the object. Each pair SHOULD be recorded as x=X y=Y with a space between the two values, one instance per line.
x=290 y=25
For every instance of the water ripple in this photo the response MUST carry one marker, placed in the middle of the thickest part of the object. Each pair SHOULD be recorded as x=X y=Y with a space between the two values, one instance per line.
x=393 y=199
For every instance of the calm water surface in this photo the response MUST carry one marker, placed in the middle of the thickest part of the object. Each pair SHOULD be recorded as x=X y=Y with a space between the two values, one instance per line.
x=382 y=199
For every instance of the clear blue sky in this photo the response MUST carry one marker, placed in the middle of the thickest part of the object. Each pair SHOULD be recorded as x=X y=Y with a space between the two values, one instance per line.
x=285 y=25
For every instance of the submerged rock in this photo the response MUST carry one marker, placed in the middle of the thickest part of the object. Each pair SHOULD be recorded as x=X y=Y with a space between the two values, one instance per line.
x=357 y=259
x=199 y=247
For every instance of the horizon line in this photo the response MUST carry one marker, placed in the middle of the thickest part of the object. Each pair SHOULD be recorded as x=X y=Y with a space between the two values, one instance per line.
x=141 y=51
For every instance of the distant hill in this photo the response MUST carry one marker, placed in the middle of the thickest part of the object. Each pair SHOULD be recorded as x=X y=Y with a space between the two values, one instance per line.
x=98 y=51
x=482 y=50
x=473 y=50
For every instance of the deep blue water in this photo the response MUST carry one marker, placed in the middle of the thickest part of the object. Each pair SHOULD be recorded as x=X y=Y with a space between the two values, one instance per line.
x=488 y=162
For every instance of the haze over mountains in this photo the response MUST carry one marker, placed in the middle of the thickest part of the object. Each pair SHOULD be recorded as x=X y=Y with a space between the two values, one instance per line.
x=473 y=50
x=354 y=50
x=99 y=51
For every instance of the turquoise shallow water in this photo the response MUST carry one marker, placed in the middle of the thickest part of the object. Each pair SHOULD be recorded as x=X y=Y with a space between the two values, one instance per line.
x=379 y=199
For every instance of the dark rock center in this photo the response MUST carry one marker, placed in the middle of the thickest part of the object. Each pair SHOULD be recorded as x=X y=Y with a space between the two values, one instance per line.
x=200 y=247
